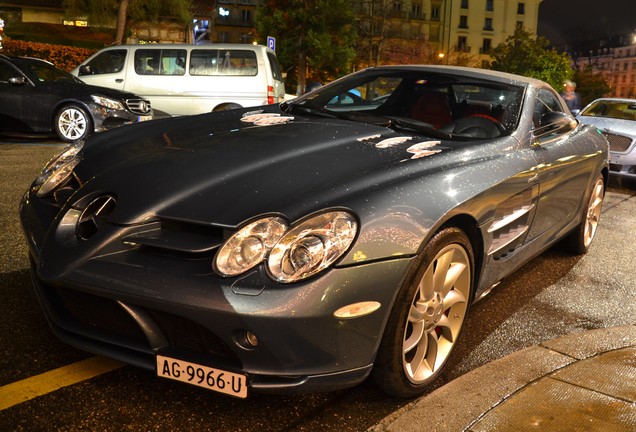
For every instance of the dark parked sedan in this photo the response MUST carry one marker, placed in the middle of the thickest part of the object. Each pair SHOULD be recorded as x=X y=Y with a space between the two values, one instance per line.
x=37 y=97
x=616 y=118
x=304 y=246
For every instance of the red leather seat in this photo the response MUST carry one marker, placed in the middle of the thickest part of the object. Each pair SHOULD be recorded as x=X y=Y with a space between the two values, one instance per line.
x=433 y=108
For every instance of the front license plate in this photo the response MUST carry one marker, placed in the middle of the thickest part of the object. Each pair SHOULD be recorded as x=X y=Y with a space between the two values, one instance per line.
x=144 y=118
x=217 y=380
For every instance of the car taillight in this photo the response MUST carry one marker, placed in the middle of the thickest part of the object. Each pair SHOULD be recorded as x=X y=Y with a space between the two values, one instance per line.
x=270 y=95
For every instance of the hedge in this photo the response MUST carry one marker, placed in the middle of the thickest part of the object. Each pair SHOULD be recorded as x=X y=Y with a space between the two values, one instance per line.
x=62 y=56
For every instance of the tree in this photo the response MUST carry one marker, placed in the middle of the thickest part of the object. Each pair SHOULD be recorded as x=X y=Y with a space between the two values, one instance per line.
x=523 y=54
x=314 y=38
x=121 y=11
x=590 y=85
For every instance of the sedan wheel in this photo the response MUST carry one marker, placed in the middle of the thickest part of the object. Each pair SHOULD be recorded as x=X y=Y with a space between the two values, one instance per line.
x=72 y=123
x=428 y=316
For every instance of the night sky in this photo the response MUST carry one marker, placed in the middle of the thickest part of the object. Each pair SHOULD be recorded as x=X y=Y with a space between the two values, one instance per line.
x=584 y=22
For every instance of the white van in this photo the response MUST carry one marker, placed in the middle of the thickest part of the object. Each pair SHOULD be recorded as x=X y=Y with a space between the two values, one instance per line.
x=189 y=79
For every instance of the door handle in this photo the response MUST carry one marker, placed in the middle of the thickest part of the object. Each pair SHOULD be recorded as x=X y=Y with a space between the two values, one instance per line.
x=119 y=80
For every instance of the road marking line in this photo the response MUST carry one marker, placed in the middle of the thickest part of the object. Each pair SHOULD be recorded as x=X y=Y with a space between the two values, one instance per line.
x=32 y=387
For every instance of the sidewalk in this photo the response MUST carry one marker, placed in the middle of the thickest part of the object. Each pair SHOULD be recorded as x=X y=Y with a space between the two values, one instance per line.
x=580 y=382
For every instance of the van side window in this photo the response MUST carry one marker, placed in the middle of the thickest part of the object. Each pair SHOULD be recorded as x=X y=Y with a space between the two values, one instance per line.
x=111 y=61
x=274 y=66
x=160 y=61
x=234 y=62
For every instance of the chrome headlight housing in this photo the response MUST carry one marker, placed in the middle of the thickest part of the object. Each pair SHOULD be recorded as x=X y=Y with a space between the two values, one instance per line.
x=107 y=102
x=58 y=170
x=292 y=253
x=249 y=245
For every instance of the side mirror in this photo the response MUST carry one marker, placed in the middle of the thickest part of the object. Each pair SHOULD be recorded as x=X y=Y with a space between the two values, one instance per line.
x=18 y=81
x=85 y=70
x=554 y=122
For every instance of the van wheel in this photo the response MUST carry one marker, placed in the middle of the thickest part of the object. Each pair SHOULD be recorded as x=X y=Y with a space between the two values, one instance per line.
x=72 y=123
x=226 y=107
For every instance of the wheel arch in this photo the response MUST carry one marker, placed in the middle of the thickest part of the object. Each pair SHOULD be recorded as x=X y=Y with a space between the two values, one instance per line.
x=469 y=226
x=226 y=106
x=66 y=102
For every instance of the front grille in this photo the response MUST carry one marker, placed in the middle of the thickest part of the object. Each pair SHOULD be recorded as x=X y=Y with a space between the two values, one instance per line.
x=139 y=106
x=618 y=143
x=101 y=314
x=107 y=318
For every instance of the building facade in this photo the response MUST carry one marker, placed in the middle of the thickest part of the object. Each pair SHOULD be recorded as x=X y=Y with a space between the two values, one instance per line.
x=441 y=28
x=616 y=65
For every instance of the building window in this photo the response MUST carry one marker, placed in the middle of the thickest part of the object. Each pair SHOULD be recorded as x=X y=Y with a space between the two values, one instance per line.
x=519 y=25
x=223 y=37
x=489 y=5
x=462 y=44
x=521 y=8
x=488 y=24
x=246 y=16
x=463 y=21
x=397 y=6
x=416 y=10
x=464 y=4
x=486 y=46
x=435 y=13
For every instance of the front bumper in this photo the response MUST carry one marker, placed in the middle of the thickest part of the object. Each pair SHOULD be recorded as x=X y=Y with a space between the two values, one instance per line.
x=132 y=303
x=106 y=118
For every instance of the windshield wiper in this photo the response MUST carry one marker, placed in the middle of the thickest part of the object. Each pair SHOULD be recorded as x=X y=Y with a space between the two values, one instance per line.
x=290 y=108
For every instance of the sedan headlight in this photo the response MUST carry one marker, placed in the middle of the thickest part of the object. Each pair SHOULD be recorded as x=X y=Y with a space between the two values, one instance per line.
x=58 y=170
x=308 y=247
x=312 y=245
x=107 y=102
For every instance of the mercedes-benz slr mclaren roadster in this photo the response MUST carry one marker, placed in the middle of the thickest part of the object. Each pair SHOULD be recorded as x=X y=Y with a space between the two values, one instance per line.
x=306 y=246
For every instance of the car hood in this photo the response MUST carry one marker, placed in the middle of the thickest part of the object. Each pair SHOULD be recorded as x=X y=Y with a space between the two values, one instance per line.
x=619 y=126
x=110 y=93
x=218 y=168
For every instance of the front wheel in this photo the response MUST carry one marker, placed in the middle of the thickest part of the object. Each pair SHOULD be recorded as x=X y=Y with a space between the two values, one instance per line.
x=427 y=317
x=72 y=123
x=580 y=239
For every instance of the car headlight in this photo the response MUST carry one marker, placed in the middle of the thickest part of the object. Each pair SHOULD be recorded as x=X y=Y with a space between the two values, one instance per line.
x=312 y=245
x=107 y=102
x=249 y=246
x=58 y=170
x=292 y=254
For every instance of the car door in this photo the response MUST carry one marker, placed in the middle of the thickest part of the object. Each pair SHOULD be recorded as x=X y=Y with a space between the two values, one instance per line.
x=13 y=87
x=106 y=69
x=562 y=169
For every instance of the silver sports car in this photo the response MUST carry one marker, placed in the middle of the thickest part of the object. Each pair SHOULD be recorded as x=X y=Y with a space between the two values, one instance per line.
x=616 y=118
x=305 y=246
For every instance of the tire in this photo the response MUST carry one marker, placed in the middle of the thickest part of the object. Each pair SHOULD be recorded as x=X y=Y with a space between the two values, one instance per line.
x=579 y=241
x=72 y=123
x=427 y=316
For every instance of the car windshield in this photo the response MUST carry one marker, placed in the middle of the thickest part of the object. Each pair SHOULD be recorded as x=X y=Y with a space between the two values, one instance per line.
x=430 y=102
x=45 y=72
x=618 y=109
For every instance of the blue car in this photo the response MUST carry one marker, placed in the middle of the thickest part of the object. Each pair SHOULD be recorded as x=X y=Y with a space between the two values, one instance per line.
x=308 y=245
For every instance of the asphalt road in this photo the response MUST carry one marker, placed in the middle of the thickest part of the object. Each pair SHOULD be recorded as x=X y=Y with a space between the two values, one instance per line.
x=554 y=295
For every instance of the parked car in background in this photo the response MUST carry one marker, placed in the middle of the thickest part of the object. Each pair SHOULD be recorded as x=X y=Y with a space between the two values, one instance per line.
x=304 y=246
x=616 y=118
x=37 y=97
x=189 y=79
